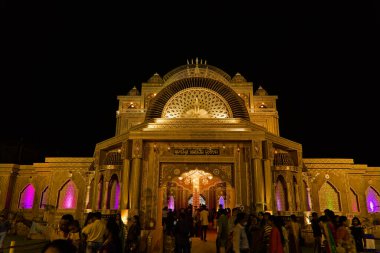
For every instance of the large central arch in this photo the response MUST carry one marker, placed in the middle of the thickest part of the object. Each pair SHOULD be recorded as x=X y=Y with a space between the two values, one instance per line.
x=230 y=96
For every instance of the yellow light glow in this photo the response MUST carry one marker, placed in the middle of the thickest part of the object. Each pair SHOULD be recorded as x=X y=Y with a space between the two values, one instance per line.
x=124 y=215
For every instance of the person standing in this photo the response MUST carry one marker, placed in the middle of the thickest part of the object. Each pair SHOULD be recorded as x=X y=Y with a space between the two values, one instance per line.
x=276 y=236
x=317 y=233
x=222 y=231
x=357 y=232
x=4 y=227
x=182 y=234
x=112 y=242
x=133 y=235
x=344 y=240
x=122 y=230
x=204 y=222
x=240 y=242
x=294 y=232
x=94 y=233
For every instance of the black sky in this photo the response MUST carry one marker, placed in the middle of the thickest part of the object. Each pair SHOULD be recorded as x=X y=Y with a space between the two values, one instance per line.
x=63 y=64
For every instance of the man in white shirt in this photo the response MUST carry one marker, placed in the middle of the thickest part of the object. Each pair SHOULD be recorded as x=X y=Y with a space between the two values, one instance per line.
x=204 y=222
x=94 y=233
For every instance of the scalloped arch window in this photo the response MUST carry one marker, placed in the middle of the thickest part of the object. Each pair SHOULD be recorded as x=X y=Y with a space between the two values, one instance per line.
x=67 y=196
x=281 y=194
x=373 y=200
x=329 y=198
x=27 y=197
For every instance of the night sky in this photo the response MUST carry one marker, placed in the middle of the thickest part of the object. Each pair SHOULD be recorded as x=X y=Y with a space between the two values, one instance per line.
x=64 y=63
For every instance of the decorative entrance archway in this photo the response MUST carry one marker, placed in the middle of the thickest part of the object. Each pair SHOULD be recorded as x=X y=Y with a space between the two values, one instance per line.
x=180 y=181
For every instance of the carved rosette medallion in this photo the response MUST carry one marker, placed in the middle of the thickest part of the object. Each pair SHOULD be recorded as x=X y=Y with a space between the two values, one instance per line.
x=197 y=103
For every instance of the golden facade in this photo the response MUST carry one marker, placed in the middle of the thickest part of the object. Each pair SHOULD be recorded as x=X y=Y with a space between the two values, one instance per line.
x=195 y=134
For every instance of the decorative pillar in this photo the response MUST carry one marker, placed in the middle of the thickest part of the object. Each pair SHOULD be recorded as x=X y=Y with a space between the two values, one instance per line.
x=88 y=189
x=258 y=184
x=297 y=197
x=125 y=174
x=309 y=198
x=268 y=184
x=164 y=196
x=258 y=177
x=238 y=177
x=290 y=198
x=268 y=156
x=135 y=180
x=105 y=194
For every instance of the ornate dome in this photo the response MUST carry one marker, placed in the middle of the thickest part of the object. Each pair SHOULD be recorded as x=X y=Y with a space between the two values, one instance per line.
x=261 y=92
x=193 y=97
x=238 y=78
x=134 y=92
x=197 y=68
x=156 y=78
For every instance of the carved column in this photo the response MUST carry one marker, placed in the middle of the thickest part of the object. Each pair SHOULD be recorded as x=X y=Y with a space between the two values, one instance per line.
x=309 y=198
x=105 y=194
x=268 y=184
x=258 y=177
x=238 y=178
x=164 y=196
x=125 y=175
x=290 y=198
x=268 y=155
x=135 y=180
x=298 y=202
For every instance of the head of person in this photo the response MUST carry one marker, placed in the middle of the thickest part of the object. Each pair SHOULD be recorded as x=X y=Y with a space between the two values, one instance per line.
x=65 y=221
x=97 y=216
x=89 y=218
x=74 y=226
x=314 y=215
x=241 y=218
x=112 y=229
x=293 y=217
x=59 y=246
x=355 y=221
x=136 y=220
x=342 y=221
x=118 y=218
x=266 y=216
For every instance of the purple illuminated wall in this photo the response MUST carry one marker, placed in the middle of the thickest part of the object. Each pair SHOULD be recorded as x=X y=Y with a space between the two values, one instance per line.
x=280 y=192
x=373 y=201
x=221 y=201
x=67 y=196
x=171 y=203
x=27 y=197
x=116 y=198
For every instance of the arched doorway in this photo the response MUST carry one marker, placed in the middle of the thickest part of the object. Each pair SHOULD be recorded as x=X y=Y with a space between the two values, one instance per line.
x=196 y=184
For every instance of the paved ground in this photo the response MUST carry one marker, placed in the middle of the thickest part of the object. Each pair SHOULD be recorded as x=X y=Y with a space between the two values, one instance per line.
x=23 y=245
x=34 y=246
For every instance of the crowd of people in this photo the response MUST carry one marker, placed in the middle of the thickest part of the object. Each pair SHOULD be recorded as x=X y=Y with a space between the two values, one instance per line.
x=240 y=232
x=97 y=235
x=332 y=233
x=237 y=232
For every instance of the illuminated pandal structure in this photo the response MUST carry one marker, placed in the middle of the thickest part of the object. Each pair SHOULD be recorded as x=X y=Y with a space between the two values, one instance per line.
x=195 y=177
